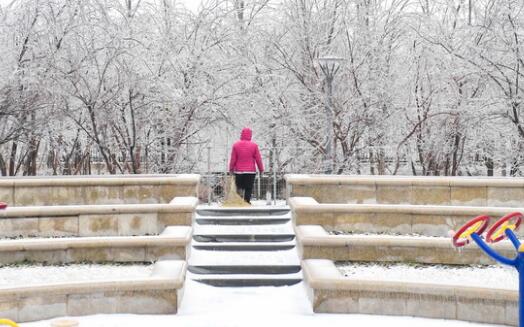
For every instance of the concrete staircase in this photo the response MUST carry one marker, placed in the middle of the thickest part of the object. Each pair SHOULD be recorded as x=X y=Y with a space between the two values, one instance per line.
x=244 y=248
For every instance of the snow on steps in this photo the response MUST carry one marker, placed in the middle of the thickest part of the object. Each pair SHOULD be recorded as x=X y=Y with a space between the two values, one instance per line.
x=244 y=248
x=243 y=216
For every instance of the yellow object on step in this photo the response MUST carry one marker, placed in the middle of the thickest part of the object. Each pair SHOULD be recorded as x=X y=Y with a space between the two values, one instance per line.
x=7 y=322
x=232 y=198
x=64 y=323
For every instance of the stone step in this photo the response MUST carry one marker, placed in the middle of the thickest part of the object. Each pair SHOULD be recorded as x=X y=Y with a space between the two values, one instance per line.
x=243 y=247
x=243 y=229
x=224 y=238
x=245 y=255
x=245 y=270
x=206 y=258
x=243 y=212
x=241 y=221
x=248 y=282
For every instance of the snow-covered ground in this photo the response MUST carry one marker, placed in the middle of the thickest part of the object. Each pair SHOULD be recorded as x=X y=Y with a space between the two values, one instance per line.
x=479 y=276
x=206 y=306
x=38 y=274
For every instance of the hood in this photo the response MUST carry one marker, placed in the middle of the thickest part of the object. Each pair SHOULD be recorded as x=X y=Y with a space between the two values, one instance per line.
x=246 y=134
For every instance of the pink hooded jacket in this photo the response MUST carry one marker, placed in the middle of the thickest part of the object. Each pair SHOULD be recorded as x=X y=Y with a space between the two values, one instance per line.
x=244 y=155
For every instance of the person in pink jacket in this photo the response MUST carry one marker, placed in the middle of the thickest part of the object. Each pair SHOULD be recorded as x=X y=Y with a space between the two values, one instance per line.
x=244 y=156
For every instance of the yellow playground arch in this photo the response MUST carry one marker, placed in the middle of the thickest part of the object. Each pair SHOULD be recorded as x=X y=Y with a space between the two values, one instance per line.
x=7 y=322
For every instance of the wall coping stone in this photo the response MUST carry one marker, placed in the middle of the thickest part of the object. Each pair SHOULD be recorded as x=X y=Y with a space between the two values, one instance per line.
x=315 y=235
x=322 y=274
x=296 y=179
x=186 y=204
x=99 y=180
x=304 y=204
x=180 y=238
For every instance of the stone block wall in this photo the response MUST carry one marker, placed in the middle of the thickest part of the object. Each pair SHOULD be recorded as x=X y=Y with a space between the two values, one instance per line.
x=314 y=242
x=90 y=190
x=399 y=207
x=451 y=191
x=330 y=292
x=96 y=220
x=399 y=219
x=158 y=294
x=174 y=243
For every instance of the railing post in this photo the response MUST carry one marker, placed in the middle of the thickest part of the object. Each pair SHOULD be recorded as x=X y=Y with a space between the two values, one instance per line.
x=210 y=187
x=274 y=177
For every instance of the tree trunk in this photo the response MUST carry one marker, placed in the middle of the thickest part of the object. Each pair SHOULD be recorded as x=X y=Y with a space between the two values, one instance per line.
x=3 y=166
x=12 y=159
x=489 y=166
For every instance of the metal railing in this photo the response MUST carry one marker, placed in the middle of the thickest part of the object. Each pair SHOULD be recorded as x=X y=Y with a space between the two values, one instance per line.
x=268 y=187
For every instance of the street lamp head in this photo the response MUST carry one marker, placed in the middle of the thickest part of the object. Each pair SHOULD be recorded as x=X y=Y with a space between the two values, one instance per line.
x=330 y=65
x=330 y=60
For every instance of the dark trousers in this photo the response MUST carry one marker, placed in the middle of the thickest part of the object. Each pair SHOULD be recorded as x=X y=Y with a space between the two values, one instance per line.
x=244 y=183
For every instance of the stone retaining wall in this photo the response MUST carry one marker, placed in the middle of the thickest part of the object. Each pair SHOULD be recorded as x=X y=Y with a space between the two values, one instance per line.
x=314 y=242
x=380 y=218
x=115 y=189
x=455 y=191
x=174 y=243
x=331 y=292
x=159 y=294
x=96 y=220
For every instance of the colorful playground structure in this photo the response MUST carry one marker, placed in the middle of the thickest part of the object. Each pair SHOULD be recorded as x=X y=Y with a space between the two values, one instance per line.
x=502 y=228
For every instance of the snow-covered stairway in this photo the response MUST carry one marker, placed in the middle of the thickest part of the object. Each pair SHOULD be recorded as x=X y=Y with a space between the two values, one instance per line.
x=244 y=247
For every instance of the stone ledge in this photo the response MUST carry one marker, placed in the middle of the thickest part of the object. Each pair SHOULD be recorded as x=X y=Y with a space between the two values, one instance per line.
x=330 y=292
x=378 y=218
x=75 y=210
x=174 y=245
x=94 y=242
x=158 y=294
x=97 y=180
x=314 y=242
x=301 y=204
x=96 y=220
x=296 y=179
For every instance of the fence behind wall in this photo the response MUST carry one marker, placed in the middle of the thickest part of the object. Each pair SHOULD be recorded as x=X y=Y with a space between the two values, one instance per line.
x=269 y=187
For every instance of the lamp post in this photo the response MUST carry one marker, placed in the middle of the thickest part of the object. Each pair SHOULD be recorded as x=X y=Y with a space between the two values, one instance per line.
x=330 y=65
